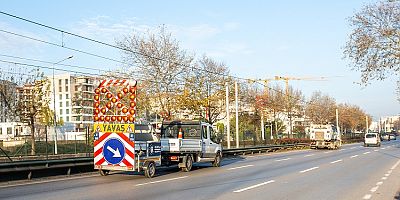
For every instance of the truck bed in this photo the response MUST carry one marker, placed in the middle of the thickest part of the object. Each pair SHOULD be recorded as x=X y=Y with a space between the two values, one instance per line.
x=180 y=145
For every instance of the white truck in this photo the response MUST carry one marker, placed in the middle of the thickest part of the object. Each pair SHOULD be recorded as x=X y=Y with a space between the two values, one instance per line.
x=324 y=136
x=186 y=142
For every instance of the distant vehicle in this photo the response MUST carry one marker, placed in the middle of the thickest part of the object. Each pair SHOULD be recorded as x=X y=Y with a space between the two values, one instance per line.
x=392 y=136
x=372 y=139
x=186 y=142
x=324 y=136
x=389 y=136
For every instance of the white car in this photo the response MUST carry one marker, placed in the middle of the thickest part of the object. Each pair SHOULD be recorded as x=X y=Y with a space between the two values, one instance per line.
x=372 y=139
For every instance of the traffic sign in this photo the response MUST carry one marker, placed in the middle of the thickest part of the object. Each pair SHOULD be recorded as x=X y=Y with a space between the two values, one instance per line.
x=113 y=151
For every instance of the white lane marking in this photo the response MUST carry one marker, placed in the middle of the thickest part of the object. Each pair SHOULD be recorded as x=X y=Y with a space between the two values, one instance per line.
x=253 y=186
x=328 y=151
x=354 y=156
x=367 y=196
x=367 y=152
x=383 y=148
x=384 y=178
x=342 y=149
x=336 y=161
x=309 y=155
x=395 y=165
x=387 y=175
x=374 y=189
x=240 y=167
x=48 y=181
x=390 y=171
x=376 y=150
x=379 y=183
x=282 y=159
x=353 y=147
x=160 y=181
x=306 y=170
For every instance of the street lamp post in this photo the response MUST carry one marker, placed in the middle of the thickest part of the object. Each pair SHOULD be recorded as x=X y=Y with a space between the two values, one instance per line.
x=54 y=104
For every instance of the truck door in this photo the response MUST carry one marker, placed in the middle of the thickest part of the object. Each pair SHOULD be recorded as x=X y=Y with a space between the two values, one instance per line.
x=204 y=140
x=210 y=144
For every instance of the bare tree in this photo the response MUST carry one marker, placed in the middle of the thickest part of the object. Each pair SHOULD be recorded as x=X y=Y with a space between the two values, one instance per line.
x=374 y=44
x=159 y=62
x=321 y=108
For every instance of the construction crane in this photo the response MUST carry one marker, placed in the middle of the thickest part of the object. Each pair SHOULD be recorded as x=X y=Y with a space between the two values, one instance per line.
x=286 y=79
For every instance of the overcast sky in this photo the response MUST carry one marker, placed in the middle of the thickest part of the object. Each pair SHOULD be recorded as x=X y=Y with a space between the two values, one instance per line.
x=255 y=39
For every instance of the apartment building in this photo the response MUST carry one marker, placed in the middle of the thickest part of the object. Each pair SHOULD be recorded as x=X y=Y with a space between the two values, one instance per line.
x=72 y=100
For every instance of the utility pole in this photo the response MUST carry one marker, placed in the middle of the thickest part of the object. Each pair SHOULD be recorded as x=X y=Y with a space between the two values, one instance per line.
x=337 y=121
x=54 y=106
x=366 y=123
x=228 y=126
x=262 y=127
x=237 y=114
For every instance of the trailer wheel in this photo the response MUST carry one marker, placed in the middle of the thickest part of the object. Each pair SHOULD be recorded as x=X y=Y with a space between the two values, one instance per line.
x=104 y=172
x=150 y=169
x=217 y=160
x=188 y=163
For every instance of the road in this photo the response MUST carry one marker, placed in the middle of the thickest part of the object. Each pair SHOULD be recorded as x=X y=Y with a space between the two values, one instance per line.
x=353 y=172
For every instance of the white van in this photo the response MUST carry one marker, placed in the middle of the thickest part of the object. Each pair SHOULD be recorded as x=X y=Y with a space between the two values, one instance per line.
x=372 y=139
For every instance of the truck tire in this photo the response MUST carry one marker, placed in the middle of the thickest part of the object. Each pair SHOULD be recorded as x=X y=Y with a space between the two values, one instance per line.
x=217 y=160
x=150 y=169
x=188 y=161
x=104 y=172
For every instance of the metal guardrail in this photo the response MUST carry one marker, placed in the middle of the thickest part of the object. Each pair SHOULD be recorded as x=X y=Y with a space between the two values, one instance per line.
x=26 y=169
x=262 y=149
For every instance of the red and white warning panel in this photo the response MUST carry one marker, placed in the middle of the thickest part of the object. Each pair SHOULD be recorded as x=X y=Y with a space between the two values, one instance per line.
x=114 y=146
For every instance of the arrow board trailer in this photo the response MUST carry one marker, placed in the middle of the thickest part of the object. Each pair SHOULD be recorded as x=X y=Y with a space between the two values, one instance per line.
x=121 y=147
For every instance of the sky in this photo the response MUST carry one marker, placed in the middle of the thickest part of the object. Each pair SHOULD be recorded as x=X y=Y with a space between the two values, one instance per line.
x=254 y=38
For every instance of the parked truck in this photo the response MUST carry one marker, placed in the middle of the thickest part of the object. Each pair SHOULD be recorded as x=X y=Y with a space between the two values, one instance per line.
x=324 y=136
x=187 y=142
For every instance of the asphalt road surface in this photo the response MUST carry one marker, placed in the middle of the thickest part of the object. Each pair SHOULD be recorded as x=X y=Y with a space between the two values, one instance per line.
x=353 y=172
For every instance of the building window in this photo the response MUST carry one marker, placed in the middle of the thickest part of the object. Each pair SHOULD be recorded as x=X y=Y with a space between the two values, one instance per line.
x=59 y=88
x=61 y=119
x=60 y=111
x=60 y=103
x=60 y=96
x=59 y=82
x=67 y=104
x=66 y=96
x=66 y=81
x=67 y=111
x=1 y=131
x=9 y=130
x=66 y=88
x=67 y=120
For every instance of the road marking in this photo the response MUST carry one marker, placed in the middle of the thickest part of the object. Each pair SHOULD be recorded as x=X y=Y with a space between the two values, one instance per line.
x=254 y=186
x=384 y=178
x=390 y=171
x=374 y=189
x=376 y=150
x=354 y=156
x=240 y=167
x=387 y=174
x=160 y=181
x=367 y=152
x=328 y=151
x=367 y=196
x=49 y=181
x=342 y=149
x=383 y=148
x=337 y=161
x=379 y=183
x=353 y=147
x=306 y=170
x=309 y=155
x=395 y=165
x=282 y=159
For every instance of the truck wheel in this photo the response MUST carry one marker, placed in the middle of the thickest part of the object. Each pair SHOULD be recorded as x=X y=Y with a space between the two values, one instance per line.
x=188 y=164
x=104 y=172
x=217 y=160
x=150 y=169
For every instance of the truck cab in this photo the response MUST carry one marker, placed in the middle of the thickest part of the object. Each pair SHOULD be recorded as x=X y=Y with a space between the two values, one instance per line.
x=185 y=142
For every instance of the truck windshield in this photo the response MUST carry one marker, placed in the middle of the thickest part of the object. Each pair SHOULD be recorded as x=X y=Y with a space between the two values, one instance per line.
x=370 y=136
x=188 y=131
